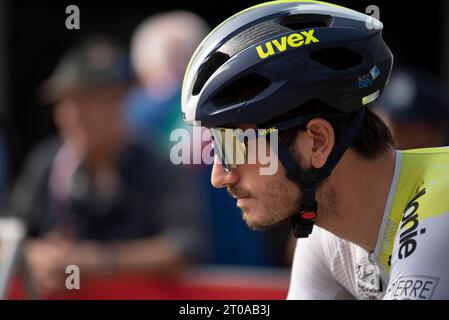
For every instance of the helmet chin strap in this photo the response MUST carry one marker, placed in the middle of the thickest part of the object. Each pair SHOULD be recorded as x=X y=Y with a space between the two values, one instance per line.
x=302 y=223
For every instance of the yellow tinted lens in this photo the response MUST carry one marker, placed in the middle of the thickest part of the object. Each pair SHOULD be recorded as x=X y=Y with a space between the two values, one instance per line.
x=228 y=148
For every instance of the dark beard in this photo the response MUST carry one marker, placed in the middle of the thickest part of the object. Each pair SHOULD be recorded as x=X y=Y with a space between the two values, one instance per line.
x=294 y=211
x=286 y=221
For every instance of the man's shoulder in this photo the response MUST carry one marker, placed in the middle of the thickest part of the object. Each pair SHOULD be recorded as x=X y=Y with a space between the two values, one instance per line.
x=428 y=151
x=420 y=257
x=428 y=170
x=431 y=163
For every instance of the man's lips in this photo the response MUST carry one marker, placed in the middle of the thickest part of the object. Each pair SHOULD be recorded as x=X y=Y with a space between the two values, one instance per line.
x=243 y=202
x=239 y=198
x=239 y=195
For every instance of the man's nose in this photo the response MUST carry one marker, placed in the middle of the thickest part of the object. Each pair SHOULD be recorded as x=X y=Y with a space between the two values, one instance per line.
x=220 y=177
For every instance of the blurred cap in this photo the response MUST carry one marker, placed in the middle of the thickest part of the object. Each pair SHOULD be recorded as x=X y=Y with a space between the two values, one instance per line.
x=97 y=62
x=414 y=94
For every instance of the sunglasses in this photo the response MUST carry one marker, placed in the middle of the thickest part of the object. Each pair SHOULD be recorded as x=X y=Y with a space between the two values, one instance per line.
x=231 y=145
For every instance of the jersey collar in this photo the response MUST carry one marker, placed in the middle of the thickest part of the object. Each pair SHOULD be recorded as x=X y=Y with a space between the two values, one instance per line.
x=382 y=253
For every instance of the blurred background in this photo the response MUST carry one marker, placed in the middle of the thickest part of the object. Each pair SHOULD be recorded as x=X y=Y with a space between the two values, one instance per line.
x=85 y=120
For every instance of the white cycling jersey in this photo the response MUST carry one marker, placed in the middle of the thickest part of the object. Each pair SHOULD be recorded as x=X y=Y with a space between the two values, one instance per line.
x=411 y=258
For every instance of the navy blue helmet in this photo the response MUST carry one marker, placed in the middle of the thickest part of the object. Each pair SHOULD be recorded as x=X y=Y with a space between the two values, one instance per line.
x=276 y=56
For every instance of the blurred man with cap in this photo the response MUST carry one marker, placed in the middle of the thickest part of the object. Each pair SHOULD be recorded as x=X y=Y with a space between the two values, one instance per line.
x=93 y=197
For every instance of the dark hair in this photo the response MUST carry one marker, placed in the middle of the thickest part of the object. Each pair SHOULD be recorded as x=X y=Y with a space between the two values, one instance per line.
x=373 y=138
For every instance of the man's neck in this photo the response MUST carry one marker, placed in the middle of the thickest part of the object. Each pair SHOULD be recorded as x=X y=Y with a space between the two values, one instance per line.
x=360 y=191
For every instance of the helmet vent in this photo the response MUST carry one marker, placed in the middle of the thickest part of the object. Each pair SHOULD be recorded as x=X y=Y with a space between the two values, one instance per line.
x=207 y=69
x=251 y=36
x=235 y=45
x=337 y=58
x=305 y=21
x=242 y=89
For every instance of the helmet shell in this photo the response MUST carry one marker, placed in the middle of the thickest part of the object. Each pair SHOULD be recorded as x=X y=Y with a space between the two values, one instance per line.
x=274 y=57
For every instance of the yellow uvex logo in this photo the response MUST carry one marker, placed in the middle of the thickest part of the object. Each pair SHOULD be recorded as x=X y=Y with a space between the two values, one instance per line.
x=294 y=40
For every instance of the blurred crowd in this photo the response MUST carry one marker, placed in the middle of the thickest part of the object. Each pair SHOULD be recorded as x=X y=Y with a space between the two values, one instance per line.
x=102 y=193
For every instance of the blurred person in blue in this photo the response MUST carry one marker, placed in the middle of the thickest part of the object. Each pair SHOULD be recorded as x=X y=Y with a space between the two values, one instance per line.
x=161 y=47
x=416 y=108
x=92 y=196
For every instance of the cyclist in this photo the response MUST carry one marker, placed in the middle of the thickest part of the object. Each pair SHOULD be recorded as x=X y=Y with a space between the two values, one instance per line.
x=309 y=71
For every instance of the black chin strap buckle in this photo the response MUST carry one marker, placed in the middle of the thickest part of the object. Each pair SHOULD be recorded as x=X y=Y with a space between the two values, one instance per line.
x=302 y=228
x=309 y=210
x=304 y=221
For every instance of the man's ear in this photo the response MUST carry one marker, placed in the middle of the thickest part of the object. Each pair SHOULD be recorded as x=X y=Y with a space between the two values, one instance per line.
x=322 y=140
